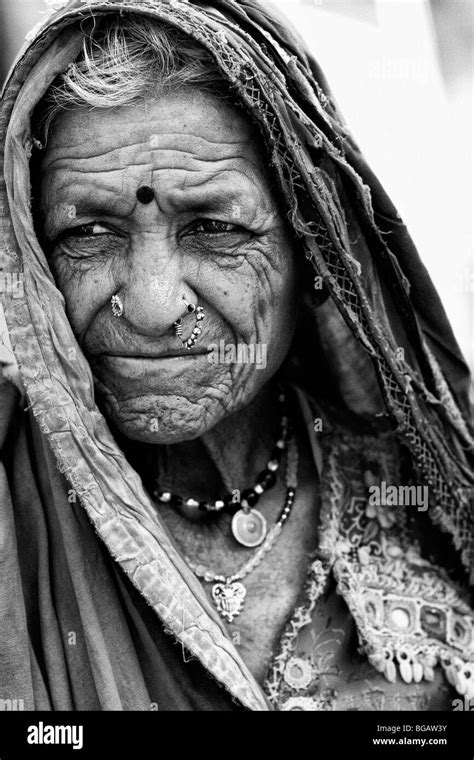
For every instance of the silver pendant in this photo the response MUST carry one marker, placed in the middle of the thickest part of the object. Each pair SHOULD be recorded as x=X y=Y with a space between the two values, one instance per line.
x=229 y=598
x=249 y=527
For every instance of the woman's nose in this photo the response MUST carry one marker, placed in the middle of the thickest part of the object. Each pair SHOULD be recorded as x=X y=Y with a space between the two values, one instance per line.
x=153 y=284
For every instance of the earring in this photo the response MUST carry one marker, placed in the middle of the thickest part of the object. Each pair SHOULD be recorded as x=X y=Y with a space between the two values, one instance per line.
x=117 y=306
x=191 y=308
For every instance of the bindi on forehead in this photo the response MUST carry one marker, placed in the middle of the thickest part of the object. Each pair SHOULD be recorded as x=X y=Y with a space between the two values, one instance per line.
x=145 y=194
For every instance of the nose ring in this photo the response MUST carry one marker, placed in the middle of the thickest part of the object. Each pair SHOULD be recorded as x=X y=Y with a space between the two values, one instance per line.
x=117 y=306
x=191 y=308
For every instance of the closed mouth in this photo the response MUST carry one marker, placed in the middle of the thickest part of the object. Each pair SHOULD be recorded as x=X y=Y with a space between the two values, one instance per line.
x=150 y=356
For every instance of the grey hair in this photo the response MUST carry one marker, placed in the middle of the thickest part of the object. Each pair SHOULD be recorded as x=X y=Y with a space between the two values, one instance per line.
x=126 y=59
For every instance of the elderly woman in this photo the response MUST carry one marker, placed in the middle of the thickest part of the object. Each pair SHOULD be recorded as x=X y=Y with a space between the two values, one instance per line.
x=236 y=441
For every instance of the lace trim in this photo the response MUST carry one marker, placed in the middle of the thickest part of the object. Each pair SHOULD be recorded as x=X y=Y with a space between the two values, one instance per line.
x=314 y=586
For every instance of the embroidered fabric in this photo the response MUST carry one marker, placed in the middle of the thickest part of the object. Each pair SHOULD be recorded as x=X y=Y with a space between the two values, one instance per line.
x=318 y=666
x=409 y=615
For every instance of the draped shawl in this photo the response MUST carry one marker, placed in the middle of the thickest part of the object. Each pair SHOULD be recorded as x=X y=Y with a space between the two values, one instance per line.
x=374 y=345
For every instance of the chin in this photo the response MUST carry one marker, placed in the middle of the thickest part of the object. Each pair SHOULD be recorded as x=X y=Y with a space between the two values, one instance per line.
x=160 y=419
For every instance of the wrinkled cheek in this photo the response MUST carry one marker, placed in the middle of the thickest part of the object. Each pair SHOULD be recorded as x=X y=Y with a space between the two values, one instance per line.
x=254 y=298
x=84 y=293
x=65 y=277
x=276 y=310
x=231 y=294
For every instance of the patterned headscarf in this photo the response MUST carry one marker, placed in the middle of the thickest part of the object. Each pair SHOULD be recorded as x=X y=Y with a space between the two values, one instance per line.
x=388 y=347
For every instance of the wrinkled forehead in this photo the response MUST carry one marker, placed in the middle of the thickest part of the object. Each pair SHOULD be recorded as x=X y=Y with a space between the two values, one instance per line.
x=194 y=150
x=183 y=111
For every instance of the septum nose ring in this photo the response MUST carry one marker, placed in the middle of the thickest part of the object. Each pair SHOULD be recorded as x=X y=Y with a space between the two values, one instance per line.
x=191 y=308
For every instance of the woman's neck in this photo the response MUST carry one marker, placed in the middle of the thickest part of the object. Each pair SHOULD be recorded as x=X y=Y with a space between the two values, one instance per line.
x=228 y=456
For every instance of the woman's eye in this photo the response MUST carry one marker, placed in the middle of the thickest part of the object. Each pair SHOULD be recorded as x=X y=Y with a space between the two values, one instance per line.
x=94 y=229
x=212 y=226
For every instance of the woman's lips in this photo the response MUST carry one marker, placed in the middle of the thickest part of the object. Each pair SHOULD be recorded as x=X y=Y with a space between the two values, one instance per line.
x=150 y=355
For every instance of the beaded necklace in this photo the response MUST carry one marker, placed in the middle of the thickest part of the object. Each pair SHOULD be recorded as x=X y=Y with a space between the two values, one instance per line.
x=228 y=592
x=249 y=526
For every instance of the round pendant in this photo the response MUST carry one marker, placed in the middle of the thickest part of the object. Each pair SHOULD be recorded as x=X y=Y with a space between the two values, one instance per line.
x=249 y=528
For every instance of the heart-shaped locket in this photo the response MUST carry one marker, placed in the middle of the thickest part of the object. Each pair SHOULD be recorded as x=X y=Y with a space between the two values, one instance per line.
x=229 y=598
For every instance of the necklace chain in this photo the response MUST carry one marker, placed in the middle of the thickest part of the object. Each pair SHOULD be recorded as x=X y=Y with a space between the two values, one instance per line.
x=228 y=591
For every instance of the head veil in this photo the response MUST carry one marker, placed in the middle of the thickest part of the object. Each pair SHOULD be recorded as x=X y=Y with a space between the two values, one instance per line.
x=372 y=326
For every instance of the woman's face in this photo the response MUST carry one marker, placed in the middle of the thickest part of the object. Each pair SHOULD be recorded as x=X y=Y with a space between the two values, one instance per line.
x=212 y=235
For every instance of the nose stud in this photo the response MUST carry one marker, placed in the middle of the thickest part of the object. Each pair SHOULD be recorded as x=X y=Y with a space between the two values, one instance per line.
x=117 y=305
x=191 y=308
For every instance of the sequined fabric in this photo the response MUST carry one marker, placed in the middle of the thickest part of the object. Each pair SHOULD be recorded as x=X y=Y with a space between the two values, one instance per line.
x=378 y=627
